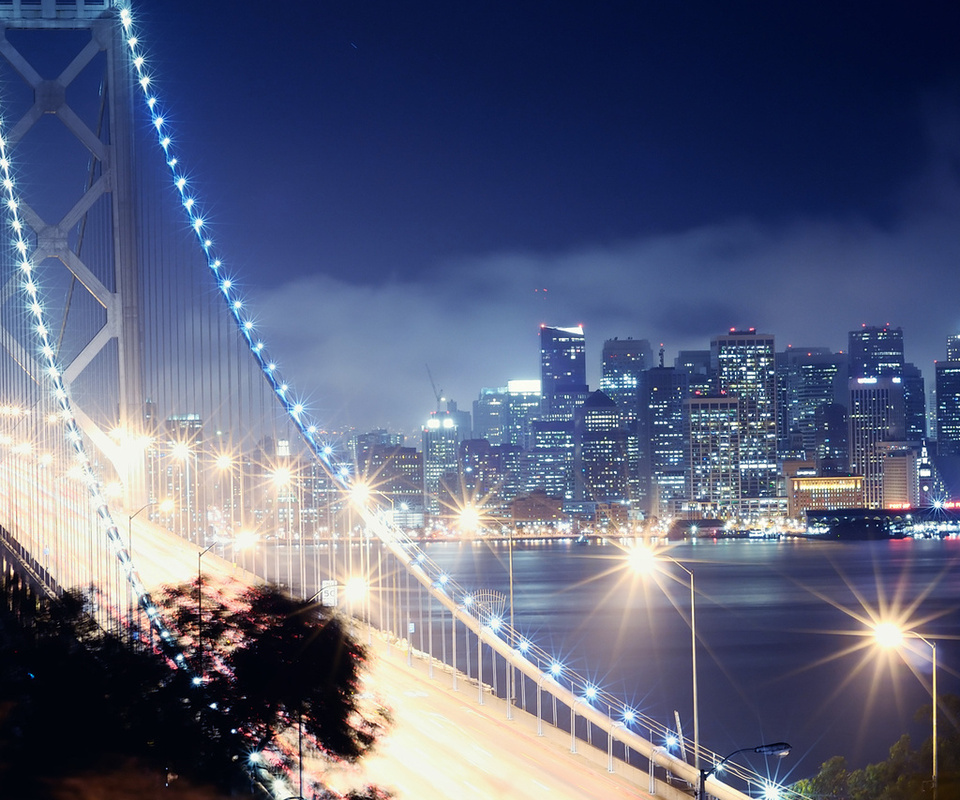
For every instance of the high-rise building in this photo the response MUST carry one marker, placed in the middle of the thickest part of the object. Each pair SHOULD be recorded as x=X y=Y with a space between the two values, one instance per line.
x=396 y=473
x=548 y=464
x=953 y=347
x=600 y=451
x=807 y=378
x=914 y=404
x=441 y=446
x=713 y=432
x=697 y=365
x=490 y=415
x=745 y=366
x=662 y=394
x=948 y=408
x=876 y=416
x=876 y=352
x=563 y=370
x=523 y=406
x=623 y=362
x=831 y=448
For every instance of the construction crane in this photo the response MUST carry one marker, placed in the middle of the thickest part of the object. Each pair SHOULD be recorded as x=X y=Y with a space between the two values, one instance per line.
x=438 y=393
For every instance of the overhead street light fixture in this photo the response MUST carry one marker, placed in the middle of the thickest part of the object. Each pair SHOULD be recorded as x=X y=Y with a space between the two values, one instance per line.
x=778 y=749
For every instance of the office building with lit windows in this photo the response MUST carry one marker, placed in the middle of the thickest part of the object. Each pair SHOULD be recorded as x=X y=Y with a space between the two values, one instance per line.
x=712 y=433
x=746 y=369
x=563 y=370
x=948 y=408
x=876 y=415
x=662 y=394
x=600 y=451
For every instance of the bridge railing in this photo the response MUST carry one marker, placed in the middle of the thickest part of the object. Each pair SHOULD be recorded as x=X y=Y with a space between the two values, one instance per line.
x=607 y=713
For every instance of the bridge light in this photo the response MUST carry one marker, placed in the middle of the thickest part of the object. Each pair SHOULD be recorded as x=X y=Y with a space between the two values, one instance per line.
x=629 y=716
x=556 y=668
x=590 y=692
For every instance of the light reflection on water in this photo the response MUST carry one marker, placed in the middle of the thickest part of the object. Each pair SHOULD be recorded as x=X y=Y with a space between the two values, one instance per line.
x=769 y=644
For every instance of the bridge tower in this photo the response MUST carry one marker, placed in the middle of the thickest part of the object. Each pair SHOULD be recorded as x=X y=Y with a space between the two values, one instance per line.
x=107 y=280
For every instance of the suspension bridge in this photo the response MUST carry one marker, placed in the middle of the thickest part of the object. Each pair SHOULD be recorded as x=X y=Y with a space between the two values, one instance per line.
x=147 y=429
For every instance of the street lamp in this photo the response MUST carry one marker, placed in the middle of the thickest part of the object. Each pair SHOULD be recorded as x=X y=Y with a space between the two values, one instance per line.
x=165 y=505
x=200 y=556
x=643 y=560
x=778 y=749
x=889 y=635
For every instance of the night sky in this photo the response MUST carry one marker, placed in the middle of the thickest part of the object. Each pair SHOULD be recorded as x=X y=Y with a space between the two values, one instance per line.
x=400 y=182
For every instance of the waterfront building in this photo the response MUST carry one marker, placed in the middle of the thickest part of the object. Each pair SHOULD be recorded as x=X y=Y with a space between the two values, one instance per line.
x=876 y=416
x=901 y=484
x=823 y=493
x=745 y=367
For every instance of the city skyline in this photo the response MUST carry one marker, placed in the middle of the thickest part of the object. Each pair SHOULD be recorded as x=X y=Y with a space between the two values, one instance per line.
x=450 y=179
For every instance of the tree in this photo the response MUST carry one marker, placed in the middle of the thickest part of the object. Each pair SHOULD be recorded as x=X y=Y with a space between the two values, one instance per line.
x=279 y=665
x=905 y=775
x=83 y=706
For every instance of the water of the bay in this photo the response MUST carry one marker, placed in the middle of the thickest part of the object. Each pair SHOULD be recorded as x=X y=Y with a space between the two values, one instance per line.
x=782 y=654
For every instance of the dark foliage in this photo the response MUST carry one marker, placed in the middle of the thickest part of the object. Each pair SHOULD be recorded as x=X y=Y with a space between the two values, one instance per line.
x=905 y=775
x=76 y=700
x=278 y=663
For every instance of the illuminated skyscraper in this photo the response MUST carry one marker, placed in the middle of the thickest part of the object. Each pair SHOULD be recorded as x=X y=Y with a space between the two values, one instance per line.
x=876 y=416
x=623 y=362
x=600 y=451
x=441 y=445
x=662 y=394
x=713 y=434
x=953 y=347
x=807 y=378
x=745 y=365
x=948 y=408
x=876 y=352
x=563 y=370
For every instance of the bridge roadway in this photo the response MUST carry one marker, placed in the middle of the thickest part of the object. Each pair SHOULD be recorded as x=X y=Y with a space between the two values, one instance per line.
x=444 y=744
x=441 y=743
x=421 y=756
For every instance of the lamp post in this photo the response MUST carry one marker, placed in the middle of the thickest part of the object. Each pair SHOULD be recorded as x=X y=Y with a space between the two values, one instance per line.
x=778 y=749
x=888 y=634
x=513 y=672
x=165 y=505
x=130 y=519
x=200 y=556
x=643 y=560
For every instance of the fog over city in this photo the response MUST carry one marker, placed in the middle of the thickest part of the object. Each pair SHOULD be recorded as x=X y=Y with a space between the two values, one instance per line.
x=657 y=172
